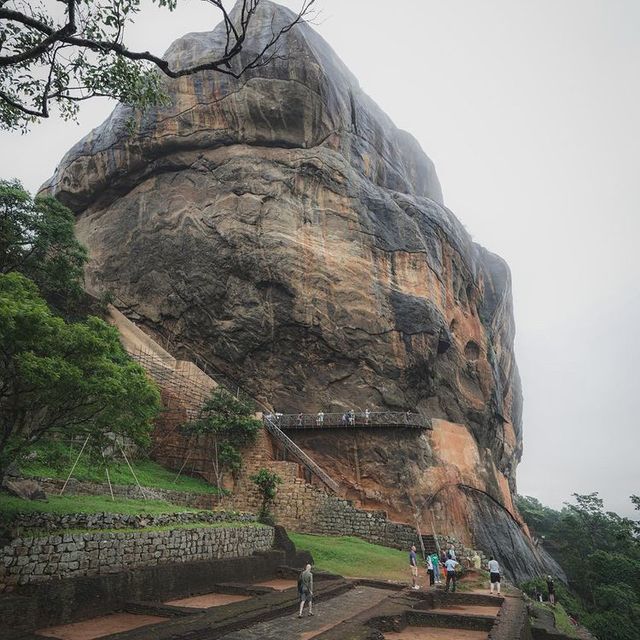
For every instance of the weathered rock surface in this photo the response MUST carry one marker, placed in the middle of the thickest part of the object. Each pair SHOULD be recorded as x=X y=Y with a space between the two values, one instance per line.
x=284 y=230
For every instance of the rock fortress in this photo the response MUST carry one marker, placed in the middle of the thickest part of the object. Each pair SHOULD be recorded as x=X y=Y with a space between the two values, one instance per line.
x=282 y=233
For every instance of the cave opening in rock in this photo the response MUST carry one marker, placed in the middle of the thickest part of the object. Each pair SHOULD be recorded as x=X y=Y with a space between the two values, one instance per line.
x=472 y=350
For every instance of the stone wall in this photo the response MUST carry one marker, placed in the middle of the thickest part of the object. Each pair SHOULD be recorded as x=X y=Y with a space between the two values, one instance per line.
x=29 y=560
x=54 y=521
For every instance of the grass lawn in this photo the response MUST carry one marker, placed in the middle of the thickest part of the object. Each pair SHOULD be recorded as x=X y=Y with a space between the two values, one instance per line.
x=355 y=558
x=10 y=506
x=55 y=460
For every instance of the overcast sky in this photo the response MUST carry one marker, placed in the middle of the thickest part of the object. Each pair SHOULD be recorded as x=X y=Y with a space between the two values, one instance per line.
x=531 y=113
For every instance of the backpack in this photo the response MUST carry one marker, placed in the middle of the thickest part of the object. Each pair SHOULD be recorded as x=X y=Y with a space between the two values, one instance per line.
x=300 y=583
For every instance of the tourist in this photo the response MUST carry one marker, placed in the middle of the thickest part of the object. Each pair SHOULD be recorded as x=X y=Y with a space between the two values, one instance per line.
x=320 y=418
x=551 y=589
x=436 y=567
x=367 y=413
x=476 y=561
x=305 y=590
x=494 y=575
x=450 y=566
x=352 y=417
x=300 y=419
x=344 y=419
x=413 y=567
x=451 y=553
x=430 y=571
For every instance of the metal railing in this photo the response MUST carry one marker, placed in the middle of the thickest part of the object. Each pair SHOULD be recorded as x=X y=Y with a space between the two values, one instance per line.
x=291 y=447
x=402 y=419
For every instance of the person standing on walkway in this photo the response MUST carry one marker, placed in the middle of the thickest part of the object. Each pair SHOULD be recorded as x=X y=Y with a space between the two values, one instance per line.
x=451 y=553
x=430 y=571
x=450 y=565
x=320 y=418
x=305 y=590
x=551 y=588
x=413 y=567
x=436 y=567
x=494 y=574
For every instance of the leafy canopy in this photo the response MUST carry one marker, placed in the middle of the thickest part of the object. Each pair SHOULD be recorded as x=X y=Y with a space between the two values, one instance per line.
x=600 y=552
x=37 y=239
x=229 y=423
x=73 y=379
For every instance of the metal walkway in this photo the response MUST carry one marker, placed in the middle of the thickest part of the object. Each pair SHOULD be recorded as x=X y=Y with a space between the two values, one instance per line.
x=361 y=420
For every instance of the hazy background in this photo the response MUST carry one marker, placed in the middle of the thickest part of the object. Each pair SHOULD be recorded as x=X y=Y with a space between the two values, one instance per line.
x=531 y=113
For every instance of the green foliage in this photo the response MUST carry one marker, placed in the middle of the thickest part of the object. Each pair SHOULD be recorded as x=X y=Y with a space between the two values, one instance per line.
x=267 y=482
x=540 y=519
x=60 y=57
x=84 y=59
x=229 y=425
x=348 y=556
x=600 y=552
x=37 y=239
x=54 y=459
x=74 y=379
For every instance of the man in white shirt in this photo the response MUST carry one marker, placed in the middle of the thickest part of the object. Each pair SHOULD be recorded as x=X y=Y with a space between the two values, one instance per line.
x=450 y=567
x=494 y=573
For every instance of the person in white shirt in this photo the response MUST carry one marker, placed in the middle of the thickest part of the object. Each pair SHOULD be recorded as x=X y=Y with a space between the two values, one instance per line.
x=450 y=566
x=494 y=573
x=430 y=571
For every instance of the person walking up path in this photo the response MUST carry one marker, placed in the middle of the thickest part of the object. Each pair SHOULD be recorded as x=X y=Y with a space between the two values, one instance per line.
x=450 y=566
x=305 y=590
x=413 y=567
x=494 y=574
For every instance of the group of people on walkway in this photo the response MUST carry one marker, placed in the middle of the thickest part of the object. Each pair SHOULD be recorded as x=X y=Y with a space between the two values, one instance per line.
x=445 y=566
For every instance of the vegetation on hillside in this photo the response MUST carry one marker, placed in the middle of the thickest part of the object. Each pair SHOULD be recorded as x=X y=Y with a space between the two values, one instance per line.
x=229 y=425
x=57 y=376
x=10 y=506
x=55 y=459
x=267 y=483
x=600 y=552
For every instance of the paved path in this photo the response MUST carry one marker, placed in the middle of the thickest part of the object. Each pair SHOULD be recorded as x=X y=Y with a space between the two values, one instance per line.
x=328 y=613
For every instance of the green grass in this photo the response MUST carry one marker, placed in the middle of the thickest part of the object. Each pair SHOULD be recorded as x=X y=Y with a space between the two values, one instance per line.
x=563 y=623
x=10 y=506
x=355 y=558
x=55 y=460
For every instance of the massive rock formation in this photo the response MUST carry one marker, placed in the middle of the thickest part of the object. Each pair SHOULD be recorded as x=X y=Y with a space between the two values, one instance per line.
x=283 y=229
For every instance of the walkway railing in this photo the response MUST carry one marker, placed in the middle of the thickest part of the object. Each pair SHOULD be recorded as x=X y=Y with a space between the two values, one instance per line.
x=291 y=447
x=399 y=419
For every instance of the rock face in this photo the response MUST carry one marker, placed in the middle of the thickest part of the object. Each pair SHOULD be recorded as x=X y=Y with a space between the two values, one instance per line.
x=283 y=229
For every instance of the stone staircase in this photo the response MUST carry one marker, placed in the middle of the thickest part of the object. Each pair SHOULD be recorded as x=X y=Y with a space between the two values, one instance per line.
x=184 y=388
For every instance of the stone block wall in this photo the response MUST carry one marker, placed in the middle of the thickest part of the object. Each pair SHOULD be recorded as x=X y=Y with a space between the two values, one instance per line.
x=54 y=521
x=28 y=560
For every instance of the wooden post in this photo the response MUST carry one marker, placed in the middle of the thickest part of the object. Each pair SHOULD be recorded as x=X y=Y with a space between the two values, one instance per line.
x=64 y=486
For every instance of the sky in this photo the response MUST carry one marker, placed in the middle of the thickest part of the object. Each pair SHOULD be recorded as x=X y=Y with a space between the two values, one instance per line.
x=531 y=112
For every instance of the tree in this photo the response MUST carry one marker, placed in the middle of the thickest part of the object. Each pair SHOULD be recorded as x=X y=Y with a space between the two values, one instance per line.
x=267 y=483
x=229 y=424
x=37 y=239
x=62 y=58
x=600 y=552
x=72 y=379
